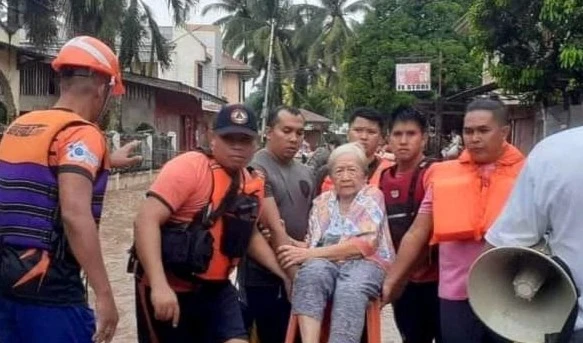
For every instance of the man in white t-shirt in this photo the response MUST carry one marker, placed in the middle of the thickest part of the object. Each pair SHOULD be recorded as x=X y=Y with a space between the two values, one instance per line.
x=548 y=194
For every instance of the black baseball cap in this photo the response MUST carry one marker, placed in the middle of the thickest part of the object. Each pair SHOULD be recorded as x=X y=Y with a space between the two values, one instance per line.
x=235 y=119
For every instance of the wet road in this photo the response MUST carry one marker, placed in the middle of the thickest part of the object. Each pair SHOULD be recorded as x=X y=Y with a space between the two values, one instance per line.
x=116 y=238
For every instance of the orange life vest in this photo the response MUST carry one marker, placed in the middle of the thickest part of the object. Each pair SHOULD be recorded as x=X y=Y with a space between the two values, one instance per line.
x=374 y=179
x=464 y=205
x=29 y=185
x=253 y=184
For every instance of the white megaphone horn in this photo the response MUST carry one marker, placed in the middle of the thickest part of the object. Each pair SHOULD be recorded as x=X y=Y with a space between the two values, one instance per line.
x=523 y=294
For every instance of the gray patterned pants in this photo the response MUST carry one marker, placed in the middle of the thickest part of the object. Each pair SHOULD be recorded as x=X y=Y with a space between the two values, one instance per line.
x=350 y=285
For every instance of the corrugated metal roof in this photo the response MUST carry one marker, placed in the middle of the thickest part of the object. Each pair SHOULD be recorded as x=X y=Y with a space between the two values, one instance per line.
x=312 y=117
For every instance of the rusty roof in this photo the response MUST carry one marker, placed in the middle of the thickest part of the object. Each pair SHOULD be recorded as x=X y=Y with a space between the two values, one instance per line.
x=312 y=117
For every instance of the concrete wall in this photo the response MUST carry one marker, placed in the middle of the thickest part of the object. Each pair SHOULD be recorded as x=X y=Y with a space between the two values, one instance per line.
x=558 y=119
x=178 y=113
x=10 y=82
x=231 y=87
x=188 y=51
x=36 y=102
x=135 y=112
x=211 y=38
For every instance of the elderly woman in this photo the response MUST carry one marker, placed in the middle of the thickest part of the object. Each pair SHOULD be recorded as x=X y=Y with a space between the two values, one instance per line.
x=349 y=248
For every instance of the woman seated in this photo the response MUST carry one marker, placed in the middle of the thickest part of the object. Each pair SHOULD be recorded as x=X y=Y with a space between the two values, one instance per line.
x=349 y=249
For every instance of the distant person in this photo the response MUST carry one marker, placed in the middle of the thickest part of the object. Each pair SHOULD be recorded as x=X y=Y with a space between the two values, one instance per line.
x=320 y=156
x=454 y=148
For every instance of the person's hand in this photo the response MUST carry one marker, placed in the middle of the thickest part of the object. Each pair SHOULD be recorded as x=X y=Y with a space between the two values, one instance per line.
x=165 y=304
x=107 y=318
x=299 y=244
x=289 y=255
x=120 y=158
x=392 y=290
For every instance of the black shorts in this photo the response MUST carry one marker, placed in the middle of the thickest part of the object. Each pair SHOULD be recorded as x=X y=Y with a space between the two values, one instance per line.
x=211 y=314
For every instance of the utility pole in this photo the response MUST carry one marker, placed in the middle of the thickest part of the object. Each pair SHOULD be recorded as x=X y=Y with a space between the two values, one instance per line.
x=439 y=103
x=265 y=110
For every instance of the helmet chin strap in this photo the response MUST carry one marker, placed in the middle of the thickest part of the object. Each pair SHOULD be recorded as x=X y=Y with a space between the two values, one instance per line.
x=105 y=105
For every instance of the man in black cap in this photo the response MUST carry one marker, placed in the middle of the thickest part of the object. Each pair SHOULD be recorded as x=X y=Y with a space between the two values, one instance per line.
x=199 y=218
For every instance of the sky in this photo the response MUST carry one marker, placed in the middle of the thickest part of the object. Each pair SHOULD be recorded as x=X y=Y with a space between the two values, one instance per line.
x=160 y=8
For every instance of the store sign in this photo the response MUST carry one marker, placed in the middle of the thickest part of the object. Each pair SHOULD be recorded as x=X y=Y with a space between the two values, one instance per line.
x=413 y=77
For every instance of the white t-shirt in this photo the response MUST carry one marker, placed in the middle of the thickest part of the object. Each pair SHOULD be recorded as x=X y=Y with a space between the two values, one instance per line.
x=549 y=194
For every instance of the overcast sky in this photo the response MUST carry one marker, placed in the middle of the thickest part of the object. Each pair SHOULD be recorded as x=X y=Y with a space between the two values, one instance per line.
x=160 y=8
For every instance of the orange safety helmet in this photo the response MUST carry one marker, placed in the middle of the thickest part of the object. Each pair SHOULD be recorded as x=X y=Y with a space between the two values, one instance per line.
x=91 y=53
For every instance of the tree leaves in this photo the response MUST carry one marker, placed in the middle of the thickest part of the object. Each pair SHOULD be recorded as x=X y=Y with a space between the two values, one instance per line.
x=532 y=47
x=406 y=32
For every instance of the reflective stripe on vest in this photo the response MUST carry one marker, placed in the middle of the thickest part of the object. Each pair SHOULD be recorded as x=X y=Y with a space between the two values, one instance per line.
x=464 y=207
x=29 y=211
x=252 y=183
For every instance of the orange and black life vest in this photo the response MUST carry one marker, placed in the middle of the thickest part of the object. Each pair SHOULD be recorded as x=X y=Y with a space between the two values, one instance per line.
x=212 y=251
x=465 y=205
x=29 y=207
x=253 y=185
x=403 y=196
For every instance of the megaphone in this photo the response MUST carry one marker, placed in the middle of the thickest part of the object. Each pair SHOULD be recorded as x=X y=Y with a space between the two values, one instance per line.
x=522 y=294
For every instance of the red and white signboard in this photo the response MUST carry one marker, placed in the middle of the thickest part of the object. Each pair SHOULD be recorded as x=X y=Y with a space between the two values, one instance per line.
x=413 y=77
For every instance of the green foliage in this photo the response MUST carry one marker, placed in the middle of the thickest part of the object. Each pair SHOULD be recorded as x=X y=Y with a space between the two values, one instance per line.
x=405 y=32
x=38 y=18
x=138 y=25
x=532 y=47
x=255 y=101
x=104 y=19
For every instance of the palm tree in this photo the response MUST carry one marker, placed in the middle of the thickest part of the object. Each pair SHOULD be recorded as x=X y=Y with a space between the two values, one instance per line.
x=104 y=19
x=251 y=44
x=331 y=19
x=233 y=23
x=138 y=25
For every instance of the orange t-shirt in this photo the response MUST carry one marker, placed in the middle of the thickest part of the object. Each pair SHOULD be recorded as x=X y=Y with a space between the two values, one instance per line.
x=78 y=149
x=184 y=185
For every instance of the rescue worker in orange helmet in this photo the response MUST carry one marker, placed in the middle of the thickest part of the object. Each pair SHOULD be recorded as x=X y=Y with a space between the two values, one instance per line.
x=463 y=198
x=53 y=173
x=198 y=220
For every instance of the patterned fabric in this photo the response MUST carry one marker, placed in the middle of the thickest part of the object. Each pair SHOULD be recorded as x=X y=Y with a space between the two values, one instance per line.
x=365 y=223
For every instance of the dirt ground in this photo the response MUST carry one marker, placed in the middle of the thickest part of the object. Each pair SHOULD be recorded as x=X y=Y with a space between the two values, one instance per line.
x=116 y=237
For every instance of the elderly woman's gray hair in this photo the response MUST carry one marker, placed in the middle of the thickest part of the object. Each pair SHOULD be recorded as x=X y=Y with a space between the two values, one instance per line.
x=353 y=149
